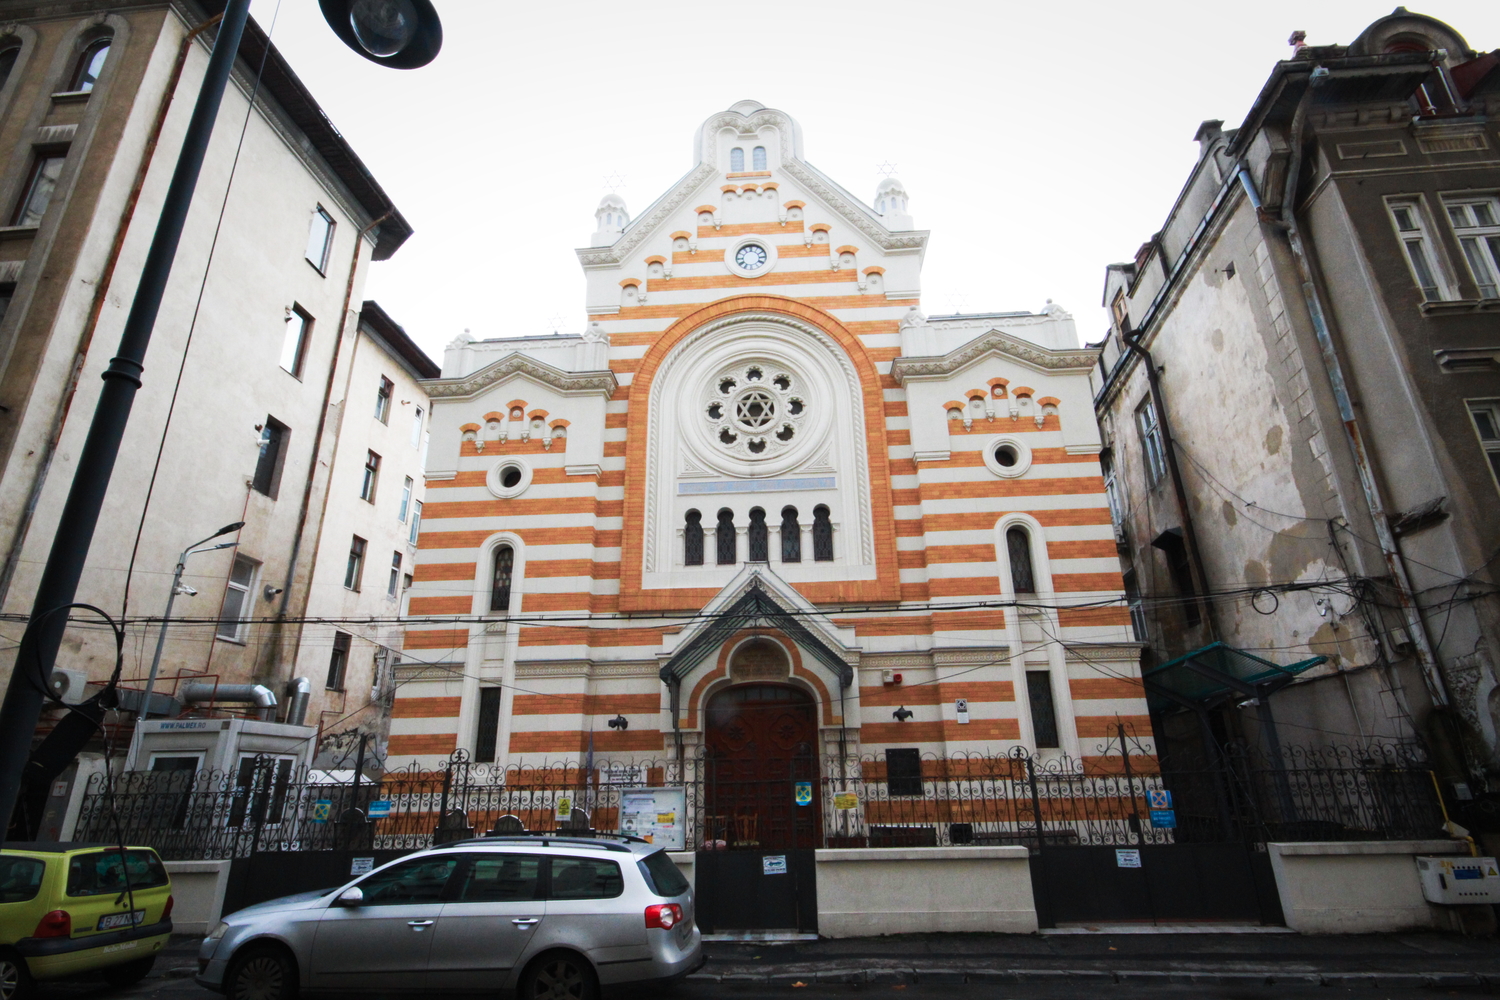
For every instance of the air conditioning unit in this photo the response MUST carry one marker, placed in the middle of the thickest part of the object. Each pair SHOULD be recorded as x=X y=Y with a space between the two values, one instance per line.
x=1455 y=880
x=68 y=685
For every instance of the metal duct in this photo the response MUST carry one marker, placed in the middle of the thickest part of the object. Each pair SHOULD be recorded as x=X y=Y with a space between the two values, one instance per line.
x=262 y=697
x=298 y=693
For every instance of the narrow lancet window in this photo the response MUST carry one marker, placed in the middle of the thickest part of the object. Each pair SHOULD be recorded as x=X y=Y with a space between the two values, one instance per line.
x=505 y=561
x=724 y=537
x=822 y=535
x=692 y=539
x=759 y=542
x=791 y=536
x=1018 y=544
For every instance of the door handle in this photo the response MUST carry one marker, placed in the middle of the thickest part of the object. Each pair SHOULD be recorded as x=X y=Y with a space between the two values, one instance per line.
x=525 y=923
x=419 y=924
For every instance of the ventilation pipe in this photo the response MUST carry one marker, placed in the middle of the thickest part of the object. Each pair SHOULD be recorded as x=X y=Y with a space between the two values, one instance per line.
x=298 y=693
x=262 y=697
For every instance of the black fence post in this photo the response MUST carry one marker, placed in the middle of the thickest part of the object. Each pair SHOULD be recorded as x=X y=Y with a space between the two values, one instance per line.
x=1135 y=814
x=1036 y=802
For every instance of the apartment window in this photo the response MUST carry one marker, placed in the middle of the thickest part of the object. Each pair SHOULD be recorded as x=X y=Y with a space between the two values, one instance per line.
x=8 y=58
x=1018 y=547
x=692 y=539
x=1151 y=444
x=7 y=292
x=89 y=67
x=736 y=159
x=383 y=400
x=1120 y=310
x=1411 y=230
x=416 y=521
x=1137 y=609
x=406 y=489
x=1486 y=417
x=338 y=661
x=237 y=600
x=371 y=478
x=489 y=725
x=500 y=580
x=903 y=771
x=791 y=536
x=356 y=568
x=294 y=347
x=320 y=239
x=273 y=438
x=1477 y=226
x=1111 y=486
x=416 y=429
x=758 y=158
x=724 y=539
x=1043 y=710
x=40 y=187
x=1174 y=547
x=394 y=586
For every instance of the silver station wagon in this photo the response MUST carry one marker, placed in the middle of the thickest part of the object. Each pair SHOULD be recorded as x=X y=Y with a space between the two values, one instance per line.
x=552 y=918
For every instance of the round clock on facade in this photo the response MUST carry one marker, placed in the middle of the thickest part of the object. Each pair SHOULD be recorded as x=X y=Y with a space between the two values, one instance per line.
x=751 y=257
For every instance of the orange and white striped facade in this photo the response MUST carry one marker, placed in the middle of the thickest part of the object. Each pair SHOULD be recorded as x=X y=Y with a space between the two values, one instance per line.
x=755 y=344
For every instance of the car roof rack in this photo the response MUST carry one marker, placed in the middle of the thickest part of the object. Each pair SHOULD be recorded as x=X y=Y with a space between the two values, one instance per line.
x=543 y=838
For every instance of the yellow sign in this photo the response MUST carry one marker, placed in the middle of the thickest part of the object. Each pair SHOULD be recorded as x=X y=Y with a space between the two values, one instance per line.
x=665 y=819
x=564 y=809
x=845 y=800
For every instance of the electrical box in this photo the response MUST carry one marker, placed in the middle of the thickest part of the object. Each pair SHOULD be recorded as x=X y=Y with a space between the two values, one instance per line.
x=1454 y=880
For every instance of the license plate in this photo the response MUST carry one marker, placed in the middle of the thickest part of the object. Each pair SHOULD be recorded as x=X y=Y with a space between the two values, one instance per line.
x=113 y=920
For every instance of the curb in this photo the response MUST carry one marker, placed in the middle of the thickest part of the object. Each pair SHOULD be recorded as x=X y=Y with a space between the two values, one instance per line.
x=1132 y=977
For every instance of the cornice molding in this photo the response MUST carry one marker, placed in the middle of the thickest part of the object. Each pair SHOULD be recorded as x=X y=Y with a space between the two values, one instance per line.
x=643 y=227
x=516 y=363
x=995 y=342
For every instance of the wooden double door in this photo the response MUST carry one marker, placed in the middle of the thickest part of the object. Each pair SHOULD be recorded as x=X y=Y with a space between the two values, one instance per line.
x=762 y=742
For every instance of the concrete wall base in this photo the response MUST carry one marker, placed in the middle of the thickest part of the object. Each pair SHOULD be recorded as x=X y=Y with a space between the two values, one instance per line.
x=923 y=890
x=198 y=889
x=1357 y=887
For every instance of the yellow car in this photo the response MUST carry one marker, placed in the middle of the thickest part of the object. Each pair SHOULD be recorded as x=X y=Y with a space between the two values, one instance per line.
x=71 y=908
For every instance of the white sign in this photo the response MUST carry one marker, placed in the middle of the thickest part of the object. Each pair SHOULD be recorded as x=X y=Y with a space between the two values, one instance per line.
x=656 y=815
x=773 y=864
x=361 y=866
x=962 y=705
x=1130 y=858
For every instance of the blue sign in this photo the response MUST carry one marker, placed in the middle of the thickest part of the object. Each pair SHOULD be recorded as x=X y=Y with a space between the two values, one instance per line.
x=804 y=793
x=1165 y=819
x=379 y=809
x=321 y=810
x=1158 y=798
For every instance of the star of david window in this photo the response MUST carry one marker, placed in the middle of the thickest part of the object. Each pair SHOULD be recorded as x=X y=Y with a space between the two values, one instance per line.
x=756 y=409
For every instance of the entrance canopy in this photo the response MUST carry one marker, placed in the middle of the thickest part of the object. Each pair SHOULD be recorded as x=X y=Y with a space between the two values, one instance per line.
x=1207 y=677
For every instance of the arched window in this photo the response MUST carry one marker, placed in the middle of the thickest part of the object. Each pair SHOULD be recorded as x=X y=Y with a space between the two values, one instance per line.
x=692 y=539
x=759 y=537
x=791 y=536
x=724 y=537
x=822 y=535
x=758 y=158
x=505 y=561
x=90 y=66
x=8 y=55
x=1018 y=544
x=736 y=160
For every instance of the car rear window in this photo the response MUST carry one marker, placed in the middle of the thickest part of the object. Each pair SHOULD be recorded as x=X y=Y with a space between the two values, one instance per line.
x=585 y=878
x=20 y=878
x=101 y=872
x=663 y=875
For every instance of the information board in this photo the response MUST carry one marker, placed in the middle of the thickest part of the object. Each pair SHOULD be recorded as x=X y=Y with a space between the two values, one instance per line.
x=656 y=815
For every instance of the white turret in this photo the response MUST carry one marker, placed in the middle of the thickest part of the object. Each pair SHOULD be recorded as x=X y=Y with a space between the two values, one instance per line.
x=890 y=205
x=610 y=220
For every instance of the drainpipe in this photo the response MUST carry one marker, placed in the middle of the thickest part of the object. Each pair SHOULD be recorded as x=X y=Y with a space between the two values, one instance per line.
x=1132 y=339
x=101 y=291
x=1396 y=565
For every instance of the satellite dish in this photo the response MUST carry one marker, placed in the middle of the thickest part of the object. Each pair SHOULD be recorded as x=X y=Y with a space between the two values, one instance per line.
x=401 y=34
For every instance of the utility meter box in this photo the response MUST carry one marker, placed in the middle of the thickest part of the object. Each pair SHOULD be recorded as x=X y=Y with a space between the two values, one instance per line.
x=1458 y=879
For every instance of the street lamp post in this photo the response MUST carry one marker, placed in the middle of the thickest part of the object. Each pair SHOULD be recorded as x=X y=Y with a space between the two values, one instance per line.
x=161 y=637
x=399 y=33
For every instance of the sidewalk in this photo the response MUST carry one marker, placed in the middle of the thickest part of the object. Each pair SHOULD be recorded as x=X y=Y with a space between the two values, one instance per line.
x=1393 y=960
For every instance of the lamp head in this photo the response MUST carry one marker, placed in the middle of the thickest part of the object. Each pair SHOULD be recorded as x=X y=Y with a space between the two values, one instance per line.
x=236 y=526
x=401 y=34
x=619 y=722
x=902 y=714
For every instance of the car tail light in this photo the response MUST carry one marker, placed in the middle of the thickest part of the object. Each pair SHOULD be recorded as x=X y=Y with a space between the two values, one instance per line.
x=663 y=915
x=58 y=923
x=166 y=912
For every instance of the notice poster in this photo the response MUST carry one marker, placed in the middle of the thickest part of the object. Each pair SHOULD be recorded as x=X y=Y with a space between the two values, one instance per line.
x=656 y=815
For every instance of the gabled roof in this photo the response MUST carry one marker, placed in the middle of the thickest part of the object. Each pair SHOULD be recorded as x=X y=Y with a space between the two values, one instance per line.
x=572 y=383
x=997 y=343
x=746 y=603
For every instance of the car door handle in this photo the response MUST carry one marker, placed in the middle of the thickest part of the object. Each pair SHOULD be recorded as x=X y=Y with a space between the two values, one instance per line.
x=526 y=922
x=419 y=924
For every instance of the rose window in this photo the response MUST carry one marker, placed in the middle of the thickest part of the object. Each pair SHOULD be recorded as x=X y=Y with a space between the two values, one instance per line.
x=756 y=410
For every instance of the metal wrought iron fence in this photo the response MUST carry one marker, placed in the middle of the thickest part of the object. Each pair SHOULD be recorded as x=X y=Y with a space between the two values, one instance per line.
x=868 y=800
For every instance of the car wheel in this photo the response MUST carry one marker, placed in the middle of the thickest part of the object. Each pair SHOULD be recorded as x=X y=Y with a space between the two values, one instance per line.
x=15 y=978
x=261 y=974
x=130 y=973
x=560 y=975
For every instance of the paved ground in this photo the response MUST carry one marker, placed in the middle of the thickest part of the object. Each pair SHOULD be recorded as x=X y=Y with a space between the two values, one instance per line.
x=1014 y=967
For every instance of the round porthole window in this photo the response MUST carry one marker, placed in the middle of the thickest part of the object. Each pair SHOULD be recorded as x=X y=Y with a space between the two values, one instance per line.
x=508 y=478
x=750 y=257
x=1007 y=457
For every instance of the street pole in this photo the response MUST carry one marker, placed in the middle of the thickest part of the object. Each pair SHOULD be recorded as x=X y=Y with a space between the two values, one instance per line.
x=24 y=697
x=161 y=636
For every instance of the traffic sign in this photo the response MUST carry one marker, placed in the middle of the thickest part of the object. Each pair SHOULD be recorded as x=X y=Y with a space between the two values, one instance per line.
x=1158 y=798
x=804 y=793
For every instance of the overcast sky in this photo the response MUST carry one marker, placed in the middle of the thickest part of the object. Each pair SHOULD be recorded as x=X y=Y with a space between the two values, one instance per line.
x=1039 y=141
